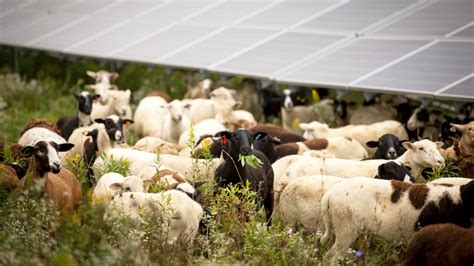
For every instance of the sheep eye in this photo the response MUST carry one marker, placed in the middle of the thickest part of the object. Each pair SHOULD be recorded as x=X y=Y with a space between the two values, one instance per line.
x=421 y=149
x=127 y=189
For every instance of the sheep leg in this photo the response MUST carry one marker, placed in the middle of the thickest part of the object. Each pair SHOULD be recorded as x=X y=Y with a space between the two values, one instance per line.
x=344 y=233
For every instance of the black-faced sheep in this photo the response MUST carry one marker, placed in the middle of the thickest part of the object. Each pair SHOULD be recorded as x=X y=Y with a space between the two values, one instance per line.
x=231 y=171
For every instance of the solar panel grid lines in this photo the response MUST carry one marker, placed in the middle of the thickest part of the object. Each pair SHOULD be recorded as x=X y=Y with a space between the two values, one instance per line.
x=191 y=13
x=456 y=83
x=7 y=7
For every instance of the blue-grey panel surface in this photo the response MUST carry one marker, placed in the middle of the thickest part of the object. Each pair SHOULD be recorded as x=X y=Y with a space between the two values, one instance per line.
x=228 y=12
x=353 y=61
x=355 y=16
x=162 y=43
x=287 y=14
x=465 y=88
x=218 y=47
x=437 y=19
x=467 y=32
x=278 y=53
x=429 y=70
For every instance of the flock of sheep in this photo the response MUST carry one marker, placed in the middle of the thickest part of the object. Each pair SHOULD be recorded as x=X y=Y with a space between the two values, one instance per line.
x=351 y=178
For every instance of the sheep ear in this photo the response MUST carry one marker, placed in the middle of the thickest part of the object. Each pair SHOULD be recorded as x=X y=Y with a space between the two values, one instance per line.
x=90 y=86
x=28 y=150
x=117 y=188
x=259 y=135
x=199 y=184
x=128 y=93
x=99 y=120
x=439 y=144
x=65 y=146
x=237 y=104
x=91 y=74
x=459 y=127
x=114 y=75
x=128 y=122
x=93 y=133
x=372 y=144
x=408 y=145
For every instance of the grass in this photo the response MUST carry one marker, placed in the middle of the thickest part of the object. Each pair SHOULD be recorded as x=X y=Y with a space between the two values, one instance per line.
x=32 y=233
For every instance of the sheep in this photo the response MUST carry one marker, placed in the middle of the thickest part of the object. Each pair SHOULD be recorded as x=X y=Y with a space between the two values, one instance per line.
x=161 y=94
x=111 y=184
x=145 y=164
x=300 y=199
x=177 y=215
x=465 y=161
x=284 y=135
x=428 y=121
x=361 y=133
x=293 y=116
x=104 y=90
x=341 y=147
x=67 y=124
x=198 y=110
x=12 y=148
x=154 y=117
x=204 y=128
x=32 y=123
x=390 y=209
x=231 y=171
x=9 y=178
x=114 y=125
x=419 y=155
x=247 y=95
x=103 y=76
x=80 y=136
x=59 y=186
x=152 y=144
x=466 y=143
x=119 y=104
x=446 y=244
x=232 y=119
x=201 y=90
x=371 y=112
x=388 y=147
x=35 y=134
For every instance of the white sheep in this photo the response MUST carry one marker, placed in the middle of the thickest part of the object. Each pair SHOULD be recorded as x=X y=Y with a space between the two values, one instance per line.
x=118 y=104
x=177 y=215
x=200 y=109
x=205 y=127
x=166 y=121
x=102 y=89
x=231 y=119
x=146 y=165
x=79 y=137
x=419 y=155
x=112 y=184
x=361 y=133
x=389 y=209
x=152 y=144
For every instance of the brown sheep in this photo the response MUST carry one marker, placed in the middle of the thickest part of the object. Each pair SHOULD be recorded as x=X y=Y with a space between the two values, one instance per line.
x=465 y=161
x=8 y=178
x=284 y=135
x=441 y=244
x=300 y=147
x=466 y=143
x=59 y=186
x=40 y=123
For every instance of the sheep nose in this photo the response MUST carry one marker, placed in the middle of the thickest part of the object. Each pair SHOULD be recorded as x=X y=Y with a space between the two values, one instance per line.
x=392 y=154
x=246 y=150
x=440 y=162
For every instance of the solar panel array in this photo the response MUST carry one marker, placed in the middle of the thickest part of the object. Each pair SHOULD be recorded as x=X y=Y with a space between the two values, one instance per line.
x=423 y=47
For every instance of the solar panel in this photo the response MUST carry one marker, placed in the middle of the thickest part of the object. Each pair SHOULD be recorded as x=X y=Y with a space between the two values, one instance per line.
x=228 y=12
x=71 y=35
x=353 y=61
x=427 y=71
x=464 y=89
x=162 y=43
x=218 y=47
x=423 y=47
x=25 y=33
x=437 y=19
x=277 y=53
x=286 y=14
x=467 y=32
x=355 y=16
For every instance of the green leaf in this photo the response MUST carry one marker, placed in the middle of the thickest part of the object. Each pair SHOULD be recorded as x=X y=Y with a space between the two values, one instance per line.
x=251 y=160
